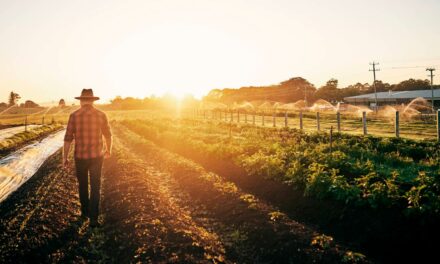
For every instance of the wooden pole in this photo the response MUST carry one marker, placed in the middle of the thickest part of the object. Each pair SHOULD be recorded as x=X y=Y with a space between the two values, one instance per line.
x=438 y=125
x=331 y=139
x=338 y=120
x=25 y=124
x=301 y=120
x=318 y=122
x=274 y=119
x=262 y=119
x=253 y=118
x=397 y=124
x=42 y=121
x=285 y=119
x=364 y=122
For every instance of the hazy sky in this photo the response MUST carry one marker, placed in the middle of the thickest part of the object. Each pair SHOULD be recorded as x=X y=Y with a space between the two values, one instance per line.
x=52 y=49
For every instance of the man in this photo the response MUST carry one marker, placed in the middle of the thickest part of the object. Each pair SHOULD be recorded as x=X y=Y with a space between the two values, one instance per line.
x=87 y=126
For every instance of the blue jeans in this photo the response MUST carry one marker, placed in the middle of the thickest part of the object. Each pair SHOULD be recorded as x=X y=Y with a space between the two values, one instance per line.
x=84 y=167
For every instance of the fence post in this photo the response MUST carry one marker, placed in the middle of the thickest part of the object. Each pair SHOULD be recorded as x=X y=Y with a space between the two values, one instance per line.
x=232 y=116
x=364 y=122
x=42 y=121
x=438 y=125
x=274 y=119
x=238 y=116
x=253 y=118
x=338 y=120
x=301 y=120
x=262 y=119
x=318 y=121
x=397 y=124
x=331 y=139
x=245 y=117
x=285 y=119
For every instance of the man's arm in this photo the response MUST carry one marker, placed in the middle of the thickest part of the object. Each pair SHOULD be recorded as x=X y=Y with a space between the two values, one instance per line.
x=68 y=138
x=66 y=151
x=106 y=131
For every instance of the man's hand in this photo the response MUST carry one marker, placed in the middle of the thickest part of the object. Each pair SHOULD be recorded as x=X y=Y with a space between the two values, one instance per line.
x=107 y=154
x=66 y=164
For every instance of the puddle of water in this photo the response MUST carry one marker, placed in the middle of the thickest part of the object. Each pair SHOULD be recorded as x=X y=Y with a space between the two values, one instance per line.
x=18 y=167
x=9 y=132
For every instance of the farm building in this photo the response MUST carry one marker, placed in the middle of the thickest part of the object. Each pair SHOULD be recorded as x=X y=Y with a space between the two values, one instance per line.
x=394 y=97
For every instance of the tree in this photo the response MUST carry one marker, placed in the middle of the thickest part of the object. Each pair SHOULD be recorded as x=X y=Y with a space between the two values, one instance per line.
x=62 y=103
x=13 y=98
x=412 y=84
x=329 y=91
x=29 y=104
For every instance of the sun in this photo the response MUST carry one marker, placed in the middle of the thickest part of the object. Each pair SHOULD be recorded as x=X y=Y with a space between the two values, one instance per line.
x=178 y=60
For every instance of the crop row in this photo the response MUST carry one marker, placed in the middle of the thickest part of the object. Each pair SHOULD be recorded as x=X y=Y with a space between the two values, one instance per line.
x=356 y=170
x=19 y=139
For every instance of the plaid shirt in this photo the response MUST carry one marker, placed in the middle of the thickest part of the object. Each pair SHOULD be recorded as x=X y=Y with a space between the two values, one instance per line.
x=87 y=125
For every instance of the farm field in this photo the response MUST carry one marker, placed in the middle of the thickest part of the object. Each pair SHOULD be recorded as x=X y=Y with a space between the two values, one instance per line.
x=200 y=190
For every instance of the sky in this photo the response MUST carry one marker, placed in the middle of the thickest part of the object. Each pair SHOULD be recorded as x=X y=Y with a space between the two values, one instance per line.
x=52 y=49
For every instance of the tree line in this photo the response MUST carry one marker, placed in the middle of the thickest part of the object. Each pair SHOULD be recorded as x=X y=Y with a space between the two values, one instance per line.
x=299 y=88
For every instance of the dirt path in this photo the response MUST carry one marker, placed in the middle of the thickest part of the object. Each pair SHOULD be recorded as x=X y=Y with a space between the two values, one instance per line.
x=157 y=207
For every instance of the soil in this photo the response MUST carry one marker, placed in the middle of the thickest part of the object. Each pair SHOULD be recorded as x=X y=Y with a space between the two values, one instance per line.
x=157 y=207
x=385 y=235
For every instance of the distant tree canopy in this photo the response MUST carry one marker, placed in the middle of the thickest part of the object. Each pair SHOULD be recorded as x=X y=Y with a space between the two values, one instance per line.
x=29 y=104
x=13 y=98
x=299 y=88
x=167 y=101
x=62 y=103
x=293 y=89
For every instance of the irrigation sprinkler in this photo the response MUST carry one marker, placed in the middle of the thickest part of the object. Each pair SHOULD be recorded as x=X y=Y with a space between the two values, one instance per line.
x=274 y=122
x=338 y=121
x=397 y=125
x=301 y=120
x=318 y=122
x=285 y=119
x=364 y=122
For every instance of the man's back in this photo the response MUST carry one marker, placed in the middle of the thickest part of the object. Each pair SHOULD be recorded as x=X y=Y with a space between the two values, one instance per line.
x=87 y=125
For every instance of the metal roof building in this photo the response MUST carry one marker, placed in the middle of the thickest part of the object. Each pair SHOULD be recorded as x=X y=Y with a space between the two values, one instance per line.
x=394 y=97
